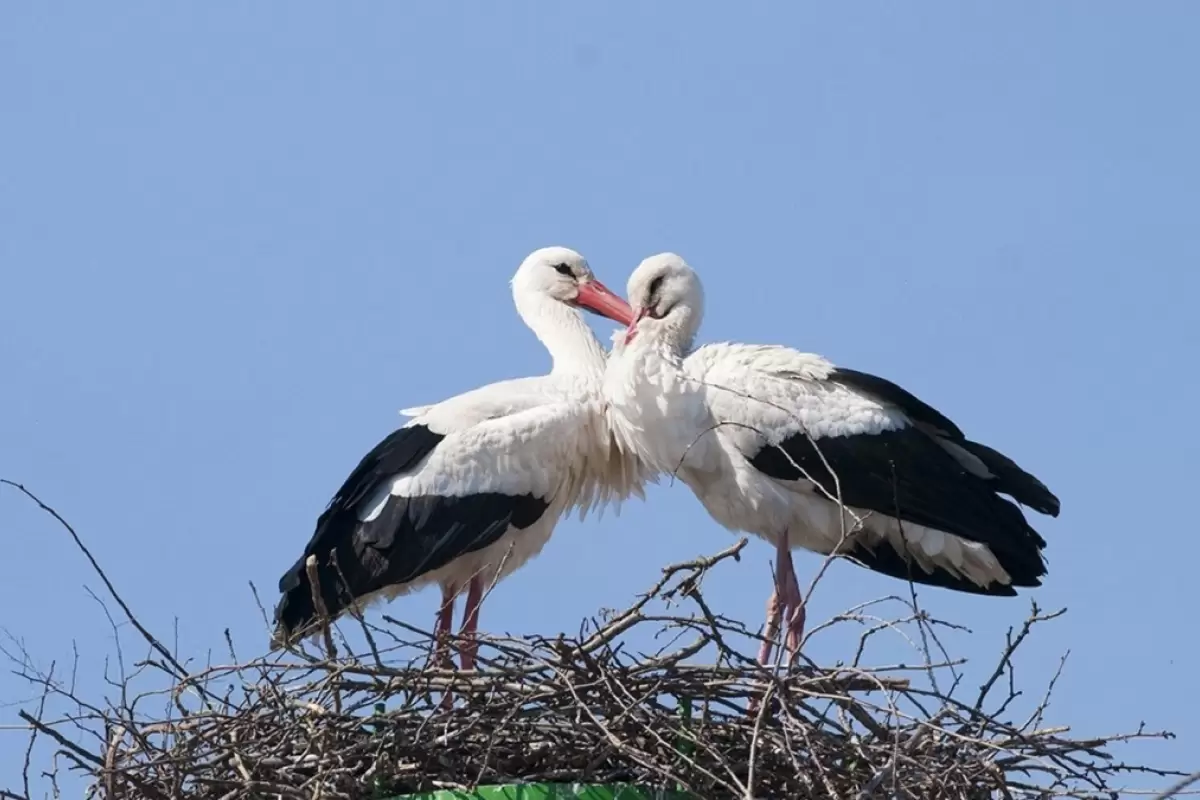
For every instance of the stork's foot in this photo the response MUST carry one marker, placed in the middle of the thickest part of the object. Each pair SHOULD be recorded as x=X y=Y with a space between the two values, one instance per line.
x=786 y=607
x=792 y=603
x=467 y=655
x=770 y=629
x=441 y=654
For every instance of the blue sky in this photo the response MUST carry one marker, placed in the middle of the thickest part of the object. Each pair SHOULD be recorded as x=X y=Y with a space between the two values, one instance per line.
x=236 y=238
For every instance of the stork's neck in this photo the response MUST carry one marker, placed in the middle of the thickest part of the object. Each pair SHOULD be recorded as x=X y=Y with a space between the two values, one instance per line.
x=679 y=338
x=674 y=336
x=573 y=347
x=663 y=350
x=656 y=409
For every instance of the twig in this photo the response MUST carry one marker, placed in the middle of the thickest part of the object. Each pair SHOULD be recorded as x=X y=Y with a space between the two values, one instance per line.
x=1179 y=787
x=33 y=731
x=58 y=737
x=163 y=651
x=314 y=586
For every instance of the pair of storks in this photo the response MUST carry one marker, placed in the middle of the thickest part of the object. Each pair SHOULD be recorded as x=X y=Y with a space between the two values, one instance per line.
x=773 y=442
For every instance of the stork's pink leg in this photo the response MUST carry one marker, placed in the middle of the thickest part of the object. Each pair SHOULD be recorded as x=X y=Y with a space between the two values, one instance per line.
x=785 y=604
x=793 y=603
x=771 y=629
x=441 y=631
x=470 y=647
x=441 y=637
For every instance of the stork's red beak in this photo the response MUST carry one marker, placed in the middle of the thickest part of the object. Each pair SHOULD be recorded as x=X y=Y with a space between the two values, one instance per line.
x=596 y=297
x=632 y=329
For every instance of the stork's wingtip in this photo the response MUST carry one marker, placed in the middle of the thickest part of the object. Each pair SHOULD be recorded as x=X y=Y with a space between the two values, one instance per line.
x=1055 y=505
x=1047 y=504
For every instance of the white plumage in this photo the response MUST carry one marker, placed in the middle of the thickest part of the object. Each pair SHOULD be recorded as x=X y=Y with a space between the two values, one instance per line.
x=766 y=437
x=470 y=489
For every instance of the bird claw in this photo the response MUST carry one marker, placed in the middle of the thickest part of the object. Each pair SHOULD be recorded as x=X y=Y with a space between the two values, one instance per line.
x=468 y=653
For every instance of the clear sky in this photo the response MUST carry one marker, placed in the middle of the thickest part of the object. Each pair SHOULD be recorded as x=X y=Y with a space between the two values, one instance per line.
x=235 y=239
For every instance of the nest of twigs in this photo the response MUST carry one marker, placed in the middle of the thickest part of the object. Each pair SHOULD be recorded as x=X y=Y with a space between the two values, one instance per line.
x=698 y=716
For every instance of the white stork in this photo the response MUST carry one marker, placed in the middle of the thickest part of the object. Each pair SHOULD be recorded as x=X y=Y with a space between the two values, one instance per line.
x=755 y=430
x=471 y=488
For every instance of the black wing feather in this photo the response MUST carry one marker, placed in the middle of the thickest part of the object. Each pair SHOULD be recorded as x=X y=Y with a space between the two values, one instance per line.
x=1014 y=481
x=1008 y=477
x=410 y=537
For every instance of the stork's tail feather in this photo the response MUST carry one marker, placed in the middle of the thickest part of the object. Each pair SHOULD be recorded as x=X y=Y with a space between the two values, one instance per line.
x=1014 y=481
x=997 y=568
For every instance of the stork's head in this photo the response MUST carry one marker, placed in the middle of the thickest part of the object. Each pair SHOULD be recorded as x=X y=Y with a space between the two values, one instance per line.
x=564 y=275
x=667 y=300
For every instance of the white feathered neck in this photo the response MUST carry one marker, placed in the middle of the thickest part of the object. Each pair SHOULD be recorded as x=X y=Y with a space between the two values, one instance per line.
x=574 y=349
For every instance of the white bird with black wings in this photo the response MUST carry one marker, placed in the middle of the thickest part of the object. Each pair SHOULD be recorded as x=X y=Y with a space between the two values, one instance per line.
x=471 y=488
x=756 y=431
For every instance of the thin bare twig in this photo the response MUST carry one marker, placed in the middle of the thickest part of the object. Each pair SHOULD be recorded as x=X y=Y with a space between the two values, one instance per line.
x=155 y=643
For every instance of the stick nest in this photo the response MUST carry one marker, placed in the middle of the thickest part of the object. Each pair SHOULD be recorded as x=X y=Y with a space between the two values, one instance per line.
x=696 y=715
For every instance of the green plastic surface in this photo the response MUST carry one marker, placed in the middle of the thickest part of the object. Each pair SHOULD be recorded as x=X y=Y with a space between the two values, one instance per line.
x=551 y=791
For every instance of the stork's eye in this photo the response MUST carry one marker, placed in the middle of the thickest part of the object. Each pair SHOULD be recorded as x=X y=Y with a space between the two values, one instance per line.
x=655 y=285
x=563 y=269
